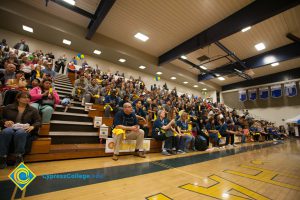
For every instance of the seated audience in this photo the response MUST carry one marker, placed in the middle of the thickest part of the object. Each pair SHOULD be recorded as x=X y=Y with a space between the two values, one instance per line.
x=20 y=124
x=162 y=130
x=186 y=137
x=44 y=98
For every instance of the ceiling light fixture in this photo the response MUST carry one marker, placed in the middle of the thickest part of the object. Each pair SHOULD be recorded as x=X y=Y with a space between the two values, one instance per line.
x=27 y=28
x=183 y=57
x=97 y=52
x=122 y=60
x=195 y=86
x=260 y=46
x=72 y=2
x=142 y=67
x=185 y=82
x=159 y=73
x=204 y=89
x=269 y=59
x=173 y=77
x=141 y=36
x=246 y=29
x=221 y=78
x=202 y=67
x=275 y=64
x=67 y=42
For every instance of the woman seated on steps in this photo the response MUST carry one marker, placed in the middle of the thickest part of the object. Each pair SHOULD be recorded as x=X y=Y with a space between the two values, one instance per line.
x=20 y=124
x=44 y=98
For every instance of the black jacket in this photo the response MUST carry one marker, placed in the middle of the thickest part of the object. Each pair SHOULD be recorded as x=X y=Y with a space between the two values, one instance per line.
x=30 y=116
x=26 y=47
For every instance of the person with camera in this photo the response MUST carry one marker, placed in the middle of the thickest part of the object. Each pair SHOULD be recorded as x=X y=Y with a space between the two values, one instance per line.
x=20 y=124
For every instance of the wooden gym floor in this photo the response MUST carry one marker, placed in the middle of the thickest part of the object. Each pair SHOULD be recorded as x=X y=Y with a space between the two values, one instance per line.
x=252 y=171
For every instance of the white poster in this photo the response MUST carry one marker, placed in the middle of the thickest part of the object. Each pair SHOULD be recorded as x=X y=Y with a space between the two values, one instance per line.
x=125 y=146
x=103 y=132
x=242 y=95
x=97 y=122
x=290 y=89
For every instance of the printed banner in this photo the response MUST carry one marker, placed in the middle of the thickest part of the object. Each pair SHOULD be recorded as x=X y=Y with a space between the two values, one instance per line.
x=276 y=91
x=252 y=94
x=242 y=95
x=264 y=93
x=290 y=89
x=125 y=146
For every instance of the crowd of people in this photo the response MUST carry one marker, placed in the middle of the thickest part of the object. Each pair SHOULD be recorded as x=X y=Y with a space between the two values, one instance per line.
x=177 y=119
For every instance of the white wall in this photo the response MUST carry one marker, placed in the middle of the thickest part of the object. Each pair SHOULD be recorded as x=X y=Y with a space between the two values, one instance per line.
x=276 y=114
x=13 y=38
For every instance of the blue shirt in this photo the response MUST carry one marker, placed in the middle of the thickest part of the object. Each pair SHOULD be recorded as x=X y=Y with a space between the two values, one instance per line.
x=114 y=100
x=49 y=72
x=126 y=120
x=140 y=112
x=182 y=125
x=158 y=124
x=208 y=127
x=223 y=129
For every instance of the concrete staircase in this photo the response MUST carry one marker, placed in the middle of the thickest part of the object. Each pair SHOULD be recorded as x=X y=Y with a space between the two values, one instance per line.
x=73 y=126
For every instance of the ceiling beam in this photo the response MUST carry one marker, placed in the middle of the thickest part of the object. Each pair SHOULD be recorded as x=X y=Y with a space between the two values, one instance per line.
x=101 y=12
x=73 y=8
x=293 y=37
x=280 y=54
x=271 y=78
x=252 y=14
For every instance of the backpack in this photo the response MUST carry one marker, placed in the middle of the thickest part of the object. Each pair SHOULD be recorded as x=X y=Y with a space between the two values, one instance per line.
x=200 y=143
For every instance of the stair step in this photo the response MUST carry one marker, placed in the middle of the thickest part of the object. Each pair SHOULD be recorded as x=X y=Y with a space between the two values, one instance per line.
x=61 y=79
x=72 y=109
x=56 y=148
x=76 y=102
x=70 y=126
x=74 y=140
x=68 y=85
x=63 y=92
x=73 y=133
x=59 y=74
x=72 y=114
x=64 y=83
x=63 y=89
x=70 y=122
x=74 y=117
x=63 y=86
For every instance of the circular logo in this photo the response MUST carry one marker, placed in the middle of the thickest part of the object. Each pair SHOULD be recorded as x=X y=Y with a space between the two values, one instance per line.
x=111 y=145
x=21 y=176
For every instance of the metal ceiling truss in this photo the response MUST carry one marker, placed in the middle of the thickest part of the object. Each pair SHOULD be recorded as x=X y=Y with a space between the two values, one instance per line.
x=96 y=18
x=213 y=73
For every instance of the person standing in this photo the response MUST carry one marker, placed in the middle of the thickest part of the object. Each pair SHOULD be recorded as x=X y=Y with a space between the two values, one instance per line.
x=22 y=46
